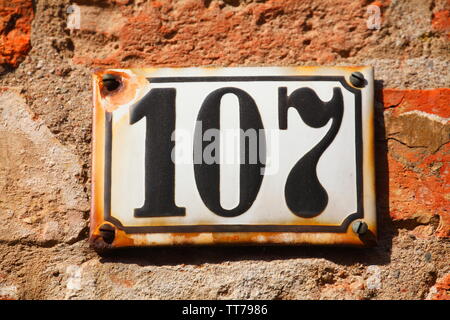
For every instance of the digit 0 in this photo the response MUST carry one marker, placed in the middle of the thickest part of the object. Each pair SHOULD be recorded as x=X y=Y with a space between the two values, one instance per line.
x=207 y=176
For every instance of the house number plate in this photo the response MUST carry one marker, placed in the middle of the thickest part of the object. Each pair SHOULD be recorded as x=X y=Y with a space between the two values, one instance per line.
x=233 y=155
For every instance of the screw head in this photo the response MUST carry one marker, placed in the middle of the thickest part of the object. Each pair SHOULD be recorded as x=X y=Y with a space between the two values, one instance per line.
x=107 y=232
x=111 y=82
x=359 y=227
x=357 y=79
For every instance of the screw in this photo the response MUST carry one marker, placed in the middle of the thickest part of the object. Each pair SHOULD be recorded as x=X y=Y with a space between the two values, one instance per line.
x=111 y=82
x=357 y=79
x=107 y=232
x=359 y=227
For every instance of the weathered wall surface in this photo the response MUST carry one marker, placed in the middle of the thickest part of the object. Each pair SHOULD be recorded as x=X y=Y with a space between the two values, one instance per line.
x=45 y=136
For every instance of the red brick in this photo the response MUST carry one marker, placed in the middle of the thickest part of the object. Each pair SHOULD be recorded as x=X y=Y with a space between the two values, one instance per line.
x=15 y=30
x=420 y=195
x=196 y=32
x=436 y=101
x=419 y=180
x=441 y=21
x=442 y=287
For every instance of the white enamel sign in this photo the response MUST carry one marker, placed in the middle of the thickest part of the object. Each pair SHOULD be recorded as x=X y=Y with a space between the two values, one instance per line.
x=233 y=155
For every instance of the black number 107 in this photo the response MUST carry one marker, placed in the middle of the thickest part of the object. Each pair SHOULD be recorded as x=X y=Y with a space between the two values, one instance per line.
x=304 y=194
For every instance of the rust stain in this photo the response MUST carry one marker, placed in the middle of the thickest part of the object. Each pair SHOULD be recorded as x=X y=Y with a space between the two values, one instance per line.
x=98 y=142
x=124 y=94
x=221 y=238
x=122 y=239
x=164 y=239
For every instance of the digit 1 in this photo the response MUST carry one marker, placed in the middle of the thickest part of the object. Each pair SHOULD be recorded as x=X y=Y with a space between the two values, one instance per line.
x=158 y=108
x=207 y=176
x=303 y=192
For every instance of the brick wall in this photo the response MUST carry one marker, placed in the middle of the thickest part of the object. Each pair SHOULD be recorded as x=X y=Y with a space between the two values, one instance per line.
x=45 y=136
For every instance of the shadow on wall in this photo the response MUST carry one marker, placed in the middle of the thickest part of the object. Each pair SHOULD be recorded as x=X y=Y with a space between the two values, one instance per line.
x=378 y=255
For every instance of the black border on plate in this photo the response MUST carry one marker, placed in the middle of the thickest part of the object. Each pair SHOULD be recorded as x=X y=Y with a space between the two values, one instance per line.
x=359 y=214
